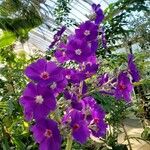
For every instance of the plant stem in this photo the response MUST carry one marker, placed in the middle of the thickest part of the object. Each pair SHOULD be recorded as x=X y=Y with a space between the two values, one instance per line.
x=69 y=143
x=126 y=136
x=80 y=88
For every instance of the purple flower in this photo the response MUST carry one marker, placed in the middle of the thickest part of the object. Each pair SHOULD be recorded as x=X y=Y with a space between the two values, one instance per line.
x=60 y=53
x=28 y=113
x=80 y=131
x=37 y=101
x=92 y=60
x=99 y=13
x=89 y=101
x=57 y=36
x=93 y=45
x=75 y=103
x=87 y=31
x=66 y=119
x=78 y=50
x=47 y=134
x=84 y=88
x=106 y=84
x=58 y=87
x=59 y=33
x=45 y=72
x=133 y=69
x=67 y=94
x=74 y=76
x=88 y=104
x=95 y=116
x=98 y=125
x=90 y=69
x=124 y=87
x=103 y=79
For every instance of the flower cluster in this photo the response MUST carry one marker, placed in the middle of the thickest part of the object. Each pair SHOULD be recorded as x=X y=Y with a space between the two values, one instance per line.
x=81 y=117
x=57 y=36
x=85 y=118
x=120 y=87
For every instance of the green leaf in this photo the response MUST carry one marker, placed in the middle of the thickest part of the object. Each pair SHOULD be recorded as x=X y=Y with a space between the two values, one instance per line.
x=3 y=105
x=120 y=147
x=7 y=38
x=5 y=145
x=146 y=133
x=19 y=144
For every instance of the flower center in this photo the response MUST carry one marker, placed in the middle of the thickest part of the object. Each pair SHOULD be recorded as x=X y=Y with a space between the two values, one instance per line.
x=96 y=120
x=44 y=75
x=86 y=32
x=53 y=86
x=87 y=73
x=48 y=133
x=122 y=86
x=39 y=99
x=68 y=76
x=78 y=51
x=63 y=54
x=76 y=127
x=89 y=44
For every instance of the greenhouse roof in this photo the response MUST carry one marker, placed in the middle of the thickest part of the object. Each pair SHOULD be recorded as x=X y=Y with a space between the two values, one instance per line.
x=41 y=37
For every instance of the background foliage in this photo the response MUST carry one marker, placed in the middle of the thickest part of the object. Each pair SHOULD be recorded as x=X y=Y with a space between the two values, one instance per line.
x=126 y=23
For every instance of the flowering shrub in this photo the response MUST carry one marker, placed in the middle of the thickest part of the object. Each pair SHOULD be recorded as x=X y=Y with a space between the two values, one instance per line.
x=58 y=98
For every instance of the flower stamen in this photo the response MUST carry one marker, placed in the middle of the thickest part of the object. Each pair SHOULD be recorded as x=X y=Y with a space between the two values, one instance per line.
x=78 y=51
x=53 y=85
x=39 y=99
x=76 y=127
x=48 y=133
x=44 y=75
x=122 y=86
x=86 y=32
